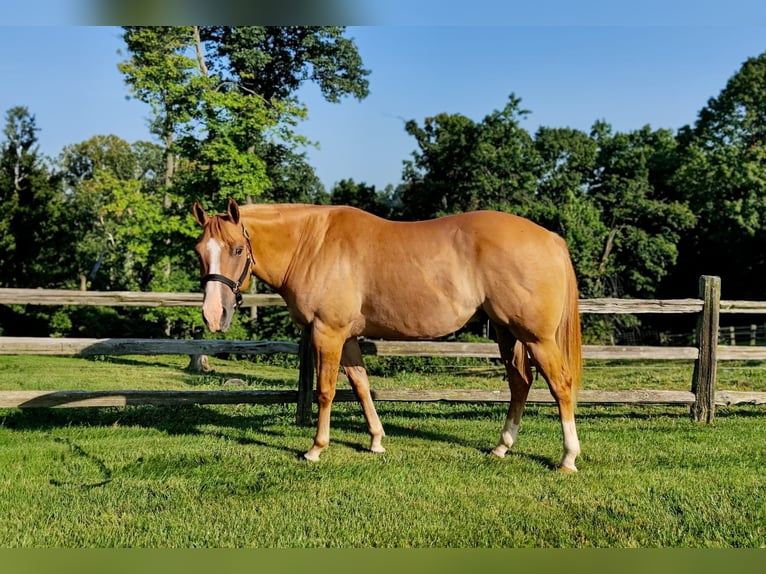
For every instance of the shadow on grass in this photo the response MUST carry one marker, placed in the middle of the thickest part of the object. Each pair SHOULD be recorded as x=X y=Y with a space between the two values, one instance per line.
x=125 y=360
x=173 y=420
x=256 y=424
x=234 y=424
x=186 y=420
x=198 y=379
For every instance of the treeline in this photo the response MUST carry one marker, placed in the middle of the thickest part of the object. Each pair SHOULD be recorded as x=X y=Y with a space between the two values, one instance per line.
x=645 y=212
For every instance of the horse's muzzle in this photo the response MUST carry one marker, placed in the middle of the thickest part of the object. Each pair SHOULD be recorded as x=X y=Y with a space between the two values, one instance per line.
x=218 y=307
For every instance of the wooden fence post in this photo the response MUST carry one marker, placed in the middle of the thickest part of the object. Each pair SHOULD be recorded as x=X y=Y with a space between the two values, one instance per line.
x=703 y=381
x=305 y=379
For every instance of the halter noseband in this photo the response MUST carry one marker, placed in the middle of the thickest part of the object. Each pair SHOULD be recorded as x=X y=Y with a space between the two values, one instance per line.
x=234 y=286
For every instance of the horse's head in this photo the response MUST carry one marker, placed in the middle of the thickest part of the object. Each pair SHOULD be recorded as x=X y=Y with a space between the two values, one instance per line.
x=225 y=258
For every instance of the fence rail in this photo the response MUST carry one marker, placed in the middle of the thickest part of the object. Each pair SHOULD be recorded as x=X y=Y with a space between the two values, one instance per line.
x=78 y=399
x=95 y=347
x=56 y=297
x=702 y=398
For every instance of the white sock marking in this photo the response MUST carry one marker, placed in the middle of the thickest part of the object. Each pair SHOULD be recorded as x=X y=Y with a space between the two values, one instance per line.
x=571 y=445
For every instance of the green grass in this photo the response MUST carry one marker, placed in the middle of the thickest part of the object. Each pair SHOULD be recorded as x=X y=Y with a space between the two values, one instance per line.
x=228 y=476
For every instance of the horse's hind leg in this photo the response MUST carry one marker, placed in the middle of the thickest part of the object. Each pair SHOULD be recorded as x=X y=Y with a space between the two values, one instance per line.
x=548 y=359
x=353 y=365
x=519 y=374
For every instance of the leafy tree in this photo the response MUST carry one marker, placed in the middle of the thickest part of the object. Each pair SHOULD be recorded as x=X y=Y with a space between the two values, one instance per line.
x=110 y=183
x=631 y=189
x=723 y=178
x=33 y=230
x=123 y=237
x=605 y=193
x=462 y=165
x=291 y=178
x=162 y=74
x=274 y=62
x=196 y=114
x=361 y=195
x=565 y=169
x=224 y=99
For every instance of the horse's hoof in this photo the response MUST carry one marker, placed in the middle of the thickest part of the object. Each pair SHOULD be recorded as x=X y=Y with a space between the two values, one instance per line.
x=568 y=469
x=498 y=452
x=309 y=456
x=377 y=449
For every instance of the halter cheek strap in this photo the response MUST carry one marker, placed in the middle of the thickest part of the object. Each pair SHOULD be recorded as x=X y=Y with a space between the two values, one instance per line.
x=235 y=286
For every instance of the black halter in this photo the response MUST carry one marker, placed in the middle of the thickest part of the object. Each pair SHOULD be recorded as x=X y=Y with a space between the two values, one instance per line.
x=234 y=286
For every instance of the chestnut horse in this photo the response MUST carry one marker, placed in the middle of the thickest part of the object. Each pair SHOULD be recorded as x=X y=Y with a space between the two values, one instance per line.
x=345 y=273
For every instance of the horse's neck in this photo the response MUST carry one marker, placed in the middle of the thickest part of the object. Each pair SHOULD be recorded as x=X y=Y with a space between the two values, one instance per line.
x=275 y=235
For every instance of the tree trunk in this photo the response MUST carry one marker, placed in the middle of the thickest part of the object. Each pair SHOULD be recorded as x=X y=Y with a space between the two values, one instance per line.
x=198 y=364
x=608 y=249
x=169 y=160
x=200 y=55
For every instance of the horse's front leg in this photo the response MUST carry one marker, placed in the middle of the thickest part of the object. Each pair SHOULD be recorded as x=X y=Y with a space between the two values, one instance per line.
x=353 y=365
x=328 y=345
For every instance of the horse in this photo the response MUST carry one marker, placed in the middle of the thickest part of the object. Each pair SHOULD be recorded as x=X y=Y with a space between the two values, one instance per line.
x=345 y=273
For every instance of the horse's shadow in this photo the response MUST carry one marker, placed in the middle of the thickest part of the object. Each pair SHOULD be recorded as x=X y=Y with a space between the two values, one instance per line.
x=202 y=420
x=173 y=421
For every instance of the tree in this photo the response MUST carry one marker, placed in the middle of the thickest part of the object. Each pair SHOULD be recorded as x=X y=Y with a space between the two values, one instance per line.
x=162 y=74
x=223 y=97
x=563 y=203
x=125 y=235
x=630 y=187
x=196 y=114
x=114 y=196
x=291 y=178
x=462 y=165
x=32 y=230
x=723 y=178
x=274 y=61
x=361 y=195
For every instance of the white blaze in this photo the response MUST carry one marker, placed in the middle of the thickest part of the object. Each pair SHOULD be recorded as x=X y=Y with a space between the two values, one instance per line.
x=212 y=308
x=214 y=249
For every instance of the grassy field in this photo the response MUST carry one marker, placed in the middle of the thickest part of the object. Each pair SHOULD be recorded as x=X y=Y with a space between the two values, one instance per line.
x=228 y=476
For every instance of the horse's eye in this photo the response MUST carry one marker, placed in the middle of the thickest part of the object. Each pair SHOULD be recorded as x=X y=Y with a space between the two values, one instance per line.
x=238 y=251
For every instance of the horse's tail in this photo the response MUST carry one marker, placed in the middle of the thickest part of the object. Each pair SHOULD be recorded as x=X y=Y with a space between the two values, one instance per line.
x=569 y=333
x=522 y=362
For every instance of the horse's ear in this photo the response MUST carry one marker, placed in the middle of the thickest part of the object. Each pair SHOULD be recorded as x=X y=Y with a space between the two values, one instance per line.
x=233 y=210
x=199 y=214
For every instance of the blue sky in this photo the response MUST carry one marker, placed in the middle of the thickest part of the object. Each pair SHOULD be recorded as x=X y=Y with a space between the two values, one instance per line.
x=630 y=68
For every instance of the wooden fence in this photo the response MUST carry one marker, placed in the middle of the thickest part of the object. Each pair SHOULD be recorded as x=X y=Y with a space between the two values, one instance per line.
x=702 y=397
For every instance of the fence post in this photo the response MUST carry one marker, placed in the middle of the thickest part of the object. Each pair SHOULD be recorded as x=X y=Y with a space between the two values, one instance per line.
x=703 y=381
x=305 y=379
